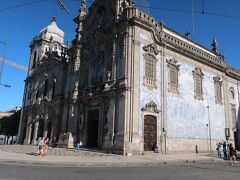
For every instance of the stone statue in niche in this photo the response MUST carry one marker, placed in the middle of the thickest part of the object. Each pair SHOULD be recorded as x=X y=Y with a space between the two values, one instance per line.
x=99 y=73
x=75 y=92
x=81 y=123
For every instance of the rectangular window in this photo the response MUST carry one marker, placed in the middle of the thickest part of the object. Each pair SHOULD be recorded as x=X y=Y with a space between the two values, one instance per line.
x=234 y=118
x=150 y=72
x=218 y=89
x=198 y=85
x=173 y=78
x=218 y=92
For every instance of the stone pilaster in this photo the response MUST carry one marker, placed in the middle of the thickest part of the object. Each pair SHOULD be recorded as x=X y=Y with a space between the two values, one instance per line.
x=108 y=138
x=135 y=138
x=28 y=137
x=35 y=140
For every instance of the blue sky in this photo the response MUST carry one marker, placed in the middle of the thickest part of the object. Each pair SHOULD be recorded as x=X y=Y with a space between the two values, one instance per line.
x=20 y=25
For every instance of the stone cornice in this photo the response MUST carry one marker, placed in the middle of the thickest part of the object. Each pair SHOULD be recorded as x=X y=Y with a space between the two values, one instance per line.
x=179 y=43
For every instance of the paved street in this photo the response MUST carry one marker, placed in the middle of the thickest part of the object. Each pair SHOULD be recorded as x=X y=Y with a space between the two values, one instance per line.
x=19 y=162
x=170 y=171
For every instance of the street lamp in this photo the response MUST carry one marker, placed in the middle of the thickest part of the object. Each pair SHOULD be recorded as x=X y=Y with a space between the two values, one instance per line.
x=4 y=52
x=227 y=135
x=1 y=68
x=207 y=139
x=209 y=129
x=5 y=85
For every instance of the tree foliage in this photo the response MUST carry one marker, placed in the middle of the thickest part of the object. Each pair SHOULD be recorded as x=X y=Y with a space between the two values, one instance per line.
x=9 y=125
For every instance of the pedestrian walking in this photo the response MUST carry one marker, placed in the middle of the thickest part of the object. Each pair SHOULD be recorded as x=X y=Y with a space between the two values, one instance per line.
x=46 y=142
x=224 y=149
x=79 y=145
x=40 y=147
x=232 y=154
x=219 y=149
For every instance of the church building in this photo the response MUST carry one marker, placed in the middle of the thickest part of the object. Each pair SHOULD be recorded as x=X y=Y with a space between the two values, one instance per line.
x=128 y=84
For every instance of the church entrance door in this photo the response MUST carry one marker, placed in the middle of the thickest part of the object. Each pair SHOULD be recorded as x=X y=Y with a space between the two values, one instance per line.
x=93 y=119
x=150 y=132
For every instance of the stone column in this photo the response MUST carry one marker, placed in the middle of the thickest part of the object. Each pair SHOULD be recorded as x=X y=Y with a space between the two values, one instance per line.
x=35 y=140
x=108 y=138
x=28 y=137
x=114 y=60
x=28 y=132
x=66 y=138
x=22 y=117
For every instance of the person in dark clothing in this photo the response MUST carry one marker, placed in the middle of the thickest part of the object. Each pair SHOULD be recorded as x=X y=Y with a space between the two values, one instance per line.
x=225 y=149
x=232 y=154
x=219 y=149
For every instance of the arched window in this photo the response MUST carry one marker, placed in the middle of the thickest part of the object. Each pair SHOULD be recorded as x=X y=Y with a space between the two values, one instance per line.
x=29 y=90
x=37 y=94
x=198 y=89
x=218 y=89
x=34 y=60
x=173 y=70
x=150 y=66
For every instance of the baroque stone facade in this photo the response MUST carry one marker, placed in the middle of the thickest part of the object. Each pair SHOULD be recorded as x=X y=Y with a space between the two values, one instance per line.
x=127 y=84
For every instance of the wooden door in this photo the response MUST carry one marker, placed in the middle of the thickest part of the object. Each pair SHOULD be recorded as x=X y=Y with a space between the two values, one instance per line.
x=150 y=132
x=93 y=119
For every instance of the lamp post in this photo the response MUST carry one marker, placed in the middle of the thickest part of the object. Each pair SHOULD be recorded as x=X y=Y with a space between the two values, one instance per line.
x=1 y=67
x=227 y=135
x=5 y=85
x=4 y=52
x=209 y=129
x=207 y=139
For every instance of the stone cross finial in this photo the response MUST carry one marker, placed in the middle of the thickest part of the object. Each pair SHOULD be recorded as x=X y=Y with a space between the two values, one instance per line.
x=82 y=9
x=214 y=45
x=54 y=19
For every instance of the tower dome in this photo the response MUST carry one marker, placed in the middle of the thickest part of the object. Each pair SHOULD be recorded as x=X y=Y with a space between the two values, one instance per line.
x=53 y=31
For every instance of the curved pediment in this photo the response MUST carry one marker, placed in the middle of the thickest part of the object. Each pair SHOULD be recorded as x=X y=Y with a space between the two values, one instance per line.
x=151 y=107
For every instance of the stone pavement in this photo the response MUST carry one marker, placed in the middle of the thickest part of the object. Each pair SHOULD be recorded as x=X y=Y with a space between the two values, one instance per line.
x=85 y=157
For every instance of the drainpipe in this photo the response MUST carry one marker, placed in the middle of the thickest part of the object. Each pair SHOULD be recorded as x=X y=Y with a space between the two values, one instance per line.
x=164 y=135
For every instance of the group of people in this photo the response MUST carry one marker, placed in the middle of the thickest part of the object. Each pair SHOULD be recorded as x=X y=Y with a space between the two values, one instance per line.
x=228 y=152
x=43 y=146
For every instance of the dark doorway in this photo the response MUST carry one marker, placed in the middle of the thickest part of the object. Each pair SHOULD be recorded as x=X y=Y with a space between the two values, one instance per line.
x=40 y=128
x=236 y=140
x=32 y=133
x=150 y=132
x=24 y=134
x=49 y=130
x=93 y=117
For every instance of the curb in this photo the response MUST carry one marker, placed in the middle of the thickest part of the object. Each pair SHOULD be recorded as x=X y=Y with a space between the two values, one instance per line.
x=103 y=164
x=86 y=164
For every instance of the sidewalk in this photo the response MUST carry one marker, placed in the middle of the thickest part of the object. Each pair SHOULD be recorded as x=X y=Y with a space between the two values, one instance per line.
x=69 y=157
